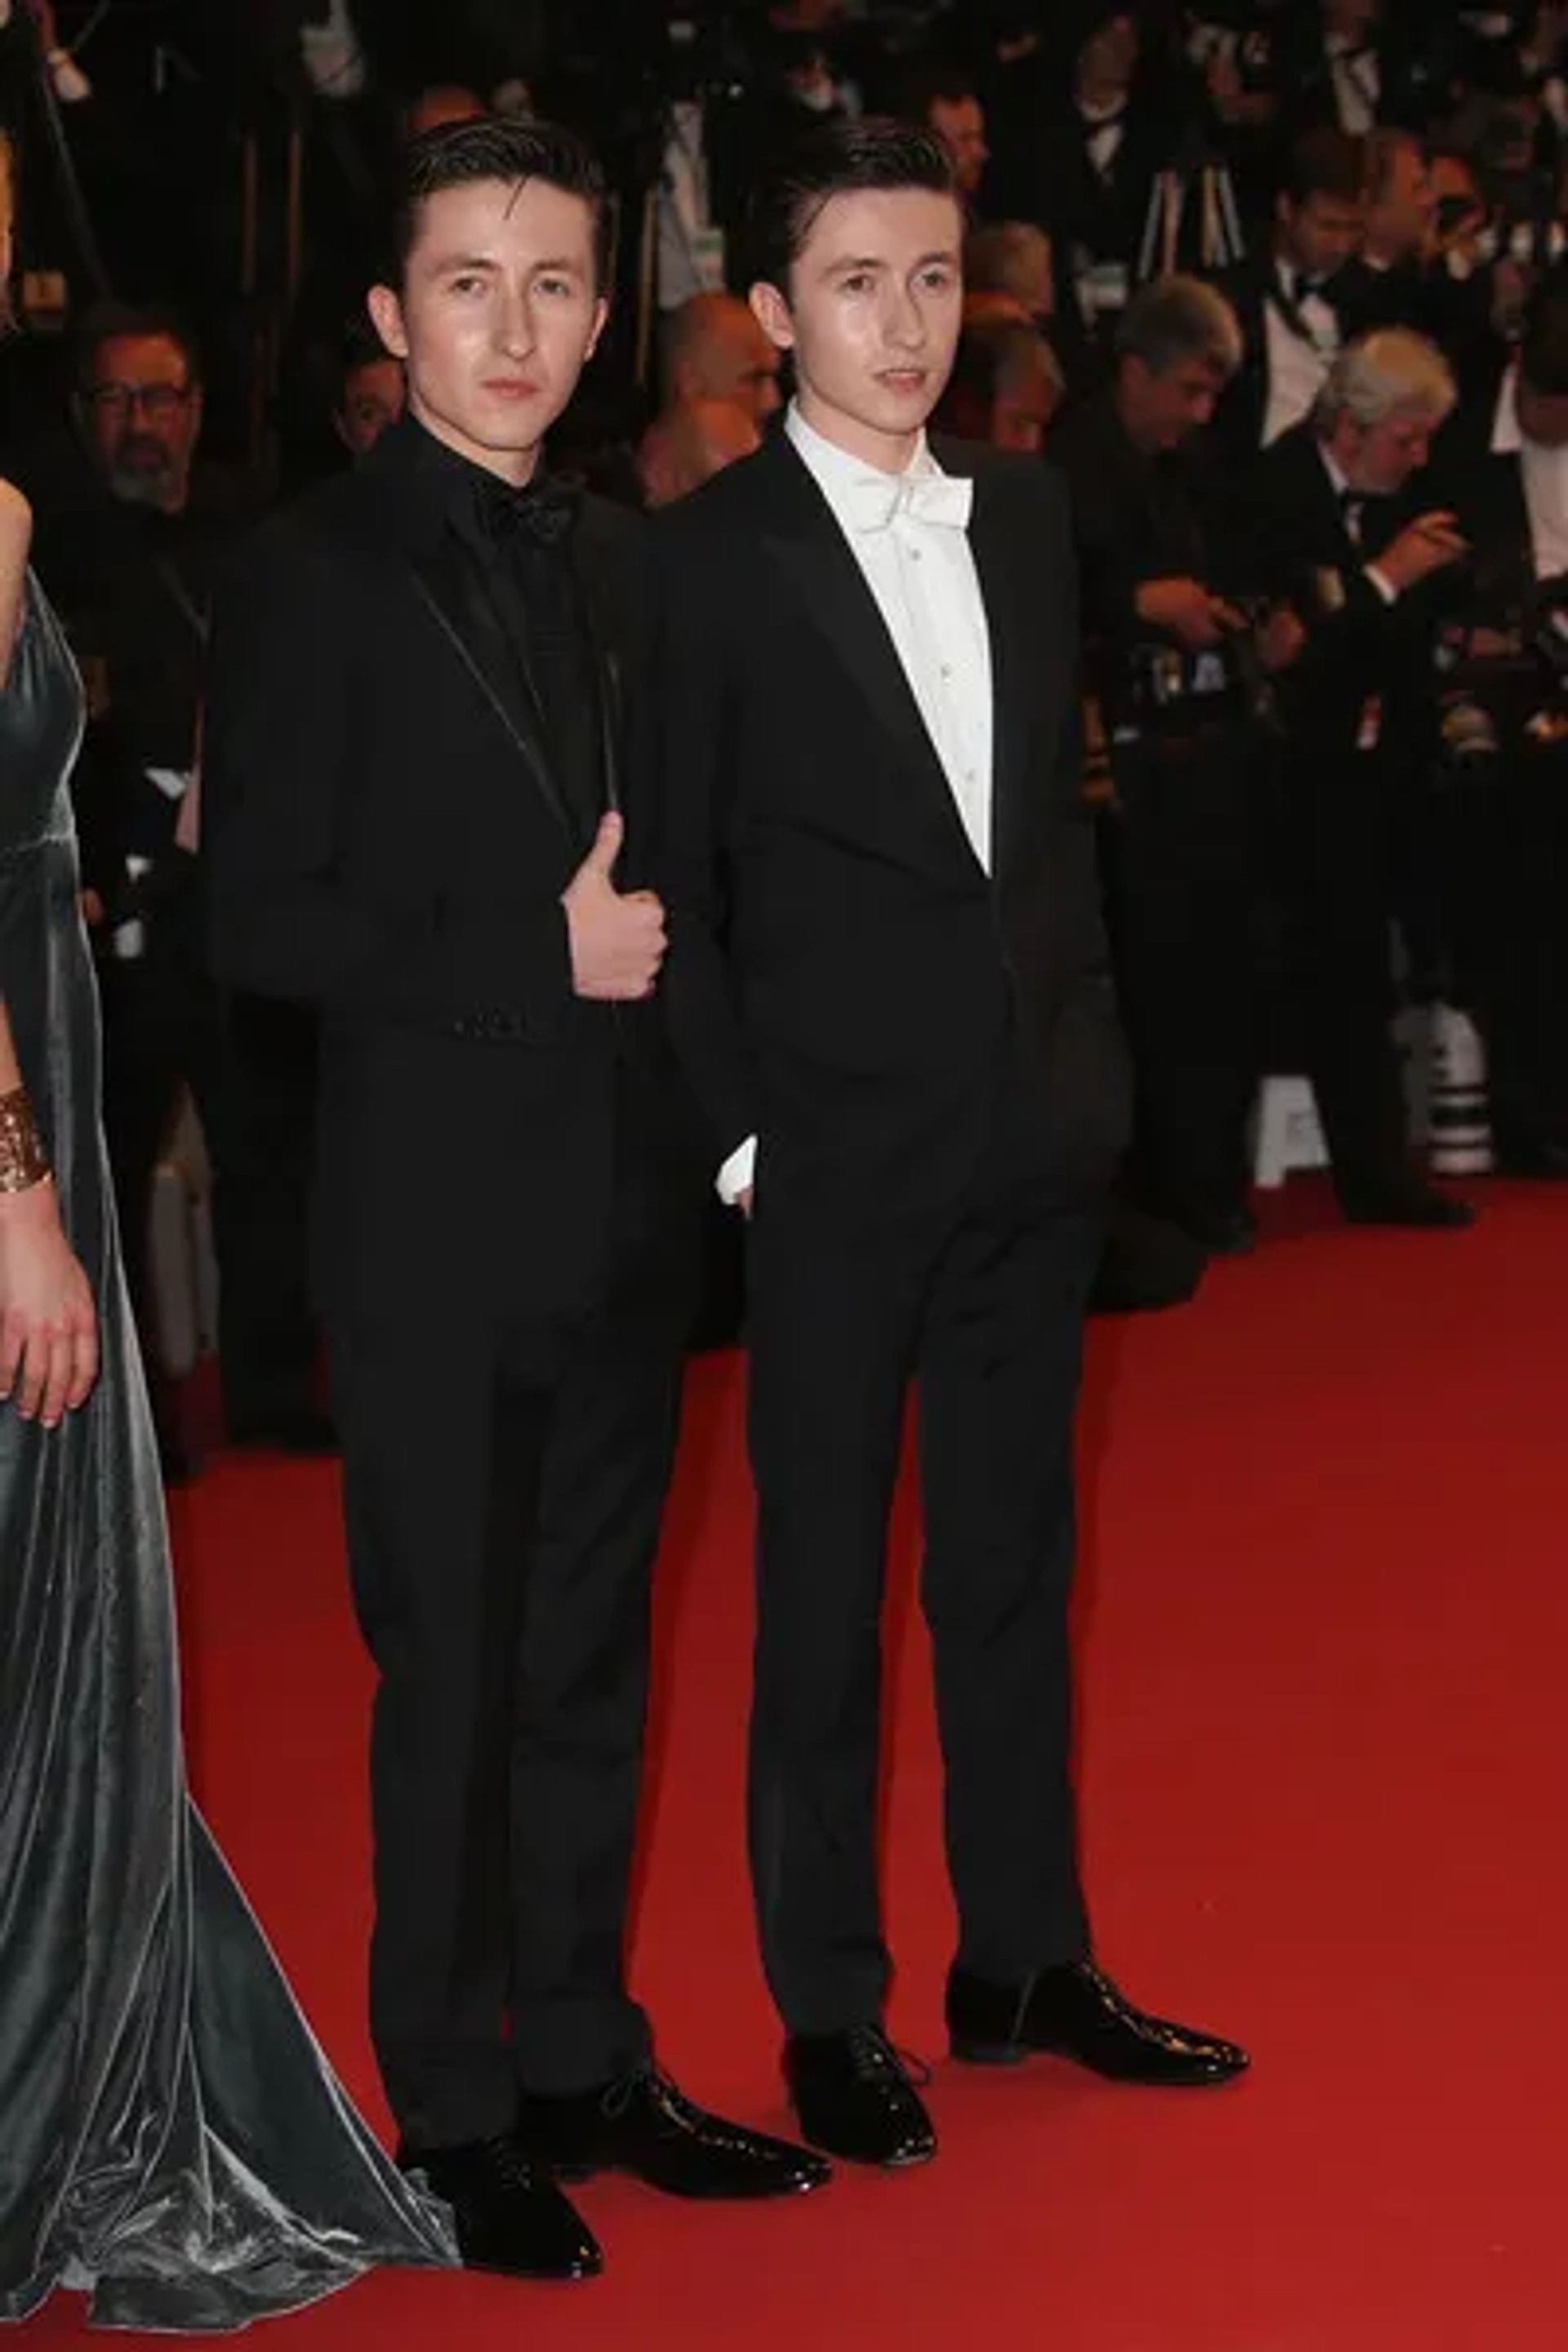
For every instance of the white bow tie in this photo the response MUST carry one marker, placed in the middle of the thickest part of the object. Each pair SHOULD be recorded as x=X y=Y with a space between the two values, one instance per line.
x=876 y=500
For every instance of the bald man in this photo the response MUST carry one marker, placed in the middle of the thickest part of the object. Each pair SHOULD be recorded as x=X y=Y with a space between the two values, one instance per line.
x=717 y=351
x=692 y=442
x=443 y=103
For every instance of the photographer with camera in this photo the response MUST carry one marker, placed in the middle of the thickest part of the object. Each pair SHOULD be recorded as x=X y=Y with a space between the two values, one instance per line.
x=1502 y=755
x=1341 y=533
x=1182 y=677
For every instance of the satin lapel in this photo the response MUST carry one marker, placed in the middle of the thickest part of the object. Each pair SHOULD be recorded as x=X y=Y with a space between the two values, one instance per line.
x=433 y=584
x=1015 y=667
x=803 y=537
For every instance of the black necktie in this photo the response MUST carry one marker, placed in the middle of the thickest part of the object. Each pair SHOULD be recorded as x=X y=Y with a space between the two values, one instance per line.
x=545 y=512
x=1350 y=505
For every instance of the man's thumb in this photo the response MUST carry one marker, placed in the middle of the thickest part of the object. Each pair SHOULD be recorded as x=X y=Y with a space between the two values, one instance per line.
x=601 y=858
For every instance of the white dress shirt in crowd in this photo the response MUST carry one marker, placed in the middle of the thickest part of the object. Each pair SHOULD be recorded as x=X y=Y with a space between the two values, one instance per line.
x=1104 y=133
x=1358 y=85
x=334 y=57
x=1298 y=362
x=690 y=250
x=1544 y=474
x=1351 y=508
x=909 y=534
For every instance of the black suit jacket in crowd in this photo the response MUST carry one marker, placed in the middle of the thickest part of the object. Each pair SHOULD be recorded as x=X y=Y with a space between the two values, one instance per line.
x=1359 y=646
x=1251 y=289
x=387 y=839
x=844 y=981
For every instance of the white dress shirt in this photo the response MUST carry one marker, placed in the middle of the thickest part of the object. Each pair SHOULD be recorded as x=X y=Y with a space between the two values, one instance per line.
x=684 y=214
x=1544 y=475
x=1358 y=85
x=1352 y=518
x=909 y=534
x=334 y=57
x=1298 y=365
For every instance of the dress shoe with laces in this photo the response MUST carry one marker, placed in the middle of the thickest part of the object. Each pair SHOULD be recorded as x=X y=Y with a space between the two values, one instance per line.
x=1075 y=2011
x=644 y=2126
x=854 y=2095
x=508 y=2213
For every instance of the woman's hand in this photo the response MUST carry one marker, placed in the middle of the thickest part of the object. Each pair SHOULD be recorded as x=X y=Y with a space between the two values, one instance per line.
x=48 y=1326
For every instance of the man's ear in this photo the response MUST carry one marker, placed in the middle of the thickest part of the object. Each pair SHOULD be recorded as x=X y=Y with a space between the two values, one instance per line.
x=771 y=312
x=601 y=320
x=386 y=317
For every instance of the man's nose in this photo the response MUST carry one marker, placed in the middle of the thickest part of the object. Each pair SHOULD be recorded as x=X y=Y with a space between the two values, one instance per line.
x=514 y=324
x=904 y=323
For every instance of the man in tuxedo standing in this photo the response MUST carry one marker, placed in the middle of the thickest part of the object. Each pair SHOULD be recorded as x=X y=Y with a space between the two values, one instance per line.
x=416 y=822
x=1343 y=534
x=1287 y=298
x=888 y=984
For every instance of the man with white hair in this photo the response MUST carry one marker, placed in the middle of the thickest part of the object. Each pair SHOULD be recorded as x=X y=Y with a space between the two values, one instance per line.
x=1347 y=544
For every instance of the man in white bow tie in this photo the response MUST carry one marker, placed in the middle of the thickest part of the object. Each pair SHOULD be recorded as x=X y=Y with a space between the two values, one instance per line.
x=888 y=983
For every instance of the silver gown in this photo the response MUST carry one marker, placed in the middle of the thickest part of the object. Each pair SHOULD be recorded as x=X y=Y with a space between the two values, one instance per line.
x=170 y=2136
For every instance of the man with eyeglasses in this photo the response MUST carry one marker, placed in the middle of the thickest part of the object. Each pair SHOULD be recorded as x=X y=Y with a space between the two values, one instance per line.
x=133 y=535
x=140 y=404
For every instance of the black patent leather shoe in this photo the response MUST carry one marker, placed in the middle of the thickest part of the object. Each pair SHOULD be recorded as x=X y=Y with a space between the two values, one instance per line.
x=509 y=2215
x=854 y=2096
x=644 y=2126
x=1075 y=2011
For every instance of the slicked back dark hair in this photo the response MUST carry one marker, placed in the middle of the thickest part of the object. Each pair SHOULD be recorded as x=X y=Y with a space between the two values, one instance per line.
x=875 y=154
x=498 y=147
x=1326 y=162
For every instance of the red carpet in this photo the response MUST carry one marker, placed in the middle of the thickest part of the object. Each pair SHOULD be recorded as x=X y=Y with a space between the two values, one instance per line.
x=1325 y=1782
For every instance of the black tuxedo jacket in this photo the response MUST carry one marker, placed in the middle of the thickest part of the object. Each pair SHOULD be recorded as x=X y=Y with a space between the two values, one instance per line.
x=1106 y=214
x=1359 y=646
x=1243 y=411
x=1409 y=76
x=844 y=981
x=386 y=840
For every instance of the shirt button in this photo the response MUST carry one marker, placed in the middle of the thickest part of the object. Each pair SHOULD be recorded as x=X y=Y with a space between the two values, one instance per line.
x=947 y=670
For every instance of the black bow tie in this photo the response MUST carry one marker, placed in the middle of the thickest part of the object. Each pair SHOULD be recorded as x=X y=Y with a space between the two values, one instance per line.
x=543 y=512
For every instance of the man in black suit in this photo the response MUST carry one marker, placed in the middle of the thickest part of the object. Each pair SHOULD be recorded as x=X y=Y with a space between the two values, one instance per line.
x=1086 y=161
x=888 y=984
x=1360 y=64
x=1286 y=298
x=1338 y=538
x=1179 y=674
x=414 y=775
x=1506 y=805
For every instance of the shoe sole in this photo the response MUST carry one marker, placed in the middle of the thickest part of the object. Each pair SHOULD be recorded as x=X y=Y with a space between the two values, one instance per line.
x=1015 y=2053
x=573 y=2176
x=536 y=2278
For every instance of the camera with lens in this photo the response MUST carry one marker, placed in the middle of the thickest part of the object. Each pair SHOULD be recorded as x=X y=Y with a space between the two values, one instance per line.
x=1176 y=697
x=1502 y=672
